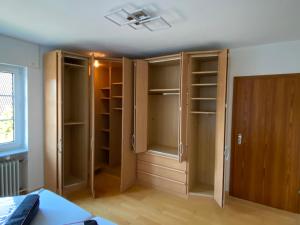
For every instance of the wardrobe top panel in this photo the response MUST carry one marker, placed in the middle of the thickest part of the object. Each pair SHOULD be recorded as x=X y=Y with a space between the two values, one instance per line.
x=166 y=58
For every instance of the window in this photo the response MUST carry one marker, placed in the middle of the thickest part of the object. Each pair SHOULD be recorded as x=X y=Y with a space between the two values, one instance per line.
x=12 y=108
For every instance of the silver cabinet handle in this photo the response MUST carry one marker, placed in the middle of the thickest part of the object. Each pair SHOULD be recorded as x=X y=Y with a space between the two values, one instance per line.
x=59 y=146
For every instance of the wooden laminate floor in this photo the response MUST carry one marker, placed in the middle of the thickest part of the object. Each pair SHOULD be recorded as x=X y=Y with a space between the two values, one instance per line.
x=146 y=206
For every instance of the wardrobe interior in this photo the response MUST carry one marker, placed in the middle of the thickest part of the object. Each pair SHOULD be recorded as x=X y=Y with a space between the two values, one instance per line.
x=163 y=107
x=75 y=98
x=203 y=74
x=108 y=89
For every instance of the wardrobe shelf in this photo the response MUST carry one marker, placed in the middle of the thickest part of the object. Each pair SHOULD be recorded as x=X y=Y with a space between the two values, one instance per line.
x=119 y=97
x=101 y=166
x=74 y=65
x=73 y=123
x=205 y=85
x=117 y=83
x=105 y=114
x=105 y=88
x=105 y=130
x=199 y=189
x=206 y=73
x=105 y=148
x=203 y=112
x=105 y=98
x=165 y=93
x=117 y=108
x=164 y=90
x=204 y=99
x=166 y=150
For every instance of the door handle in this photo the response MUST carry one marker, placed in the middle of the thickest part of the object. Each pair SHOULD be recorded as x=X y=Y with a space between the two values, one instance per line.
x=239 y=139
x=133 y=142
x=59 y=146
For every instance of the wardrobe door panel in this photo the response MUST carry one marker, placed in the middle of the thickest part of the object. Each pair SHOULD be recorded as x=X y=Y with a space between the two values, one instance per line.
x=60 y=123
x=141 y=106
x=128 y=160
x=92 y=128
x=220 y=129
x=50 y=72
x=183 y=107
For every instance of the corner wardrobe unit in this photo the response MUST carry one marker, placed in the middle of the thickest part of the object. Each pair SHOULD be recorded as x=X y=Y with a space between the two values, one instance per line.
x=66 y=121
x=179 y=123
x=158 y=121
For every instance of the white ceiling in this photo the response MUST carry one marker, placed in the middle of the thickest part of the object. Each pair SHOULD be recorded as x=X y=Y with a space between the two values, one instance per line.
x=196 y=24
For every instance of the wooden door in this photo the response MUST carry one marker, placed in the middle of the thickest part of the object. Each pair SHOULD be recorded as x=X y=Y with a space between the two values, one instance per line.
x=128 y=157
x=141 y=106
x=220 y=129
x=92 y=128
x=265 y=159
x=183 y=107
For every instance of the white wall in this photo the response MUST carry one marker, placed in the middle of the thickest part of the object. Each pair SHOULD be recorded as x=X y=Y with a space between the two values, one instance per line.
x=16 y=52
x=277 y=58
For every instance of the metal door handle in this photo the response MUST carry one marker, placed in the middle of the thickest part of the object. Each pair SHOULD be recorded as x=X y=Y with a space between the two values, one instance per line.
x=133 y=142
x=239 y=139
x=59 y=146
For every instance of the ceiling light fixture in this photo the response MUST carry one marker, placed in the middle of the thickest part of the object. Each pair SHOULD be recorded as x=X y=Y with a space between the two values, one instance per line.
x=138 y=19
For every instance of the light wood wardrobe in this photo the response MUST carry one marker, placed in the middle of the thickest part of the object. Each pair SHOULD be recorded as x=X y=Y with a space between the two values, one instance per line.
x=66 y=121
x=179 y=124
x=159 y=121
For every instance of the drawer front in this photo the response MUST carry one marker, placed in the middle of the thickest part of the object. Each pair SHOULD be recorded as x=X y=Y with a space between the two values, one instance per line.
x=161 y=183
x=162 y=161
x=165 y=172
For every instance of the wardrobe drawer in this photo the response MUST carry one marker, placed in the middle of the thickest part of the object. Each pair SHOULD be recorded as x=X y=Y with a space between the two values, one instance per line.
x=173 y=174
x=162 y=161
x=161 y=183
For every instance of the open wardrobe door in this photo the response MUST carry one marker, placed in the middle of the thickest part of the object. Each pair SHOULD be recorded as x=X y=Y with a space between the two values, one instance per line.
x=141 y=106
x=220 y=129
x=92 y=128
x=128 y=157
x=183 y=107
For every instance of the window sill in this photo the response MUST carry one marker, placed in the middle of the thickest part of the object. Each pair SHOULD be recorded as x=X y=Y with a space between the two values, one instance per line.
x=13 y=152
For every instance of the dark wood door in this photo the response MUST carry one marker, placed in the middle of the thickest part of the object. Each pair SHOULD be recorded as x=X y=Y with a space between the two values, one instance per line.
x=265 y=159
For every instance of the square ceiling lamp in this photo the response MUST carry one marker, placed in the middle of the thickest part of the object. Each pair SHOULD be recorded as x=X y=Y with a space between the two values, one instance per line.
x=137 y=20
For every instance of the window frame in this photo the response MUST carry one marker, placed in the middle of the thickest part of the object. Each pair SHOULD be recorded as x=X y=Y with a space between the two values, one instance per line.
x=20 y=107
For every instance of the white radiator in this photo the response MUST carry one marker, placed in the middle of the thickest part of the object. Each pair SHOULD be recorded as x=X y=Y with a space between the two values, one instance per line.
x=9 y=178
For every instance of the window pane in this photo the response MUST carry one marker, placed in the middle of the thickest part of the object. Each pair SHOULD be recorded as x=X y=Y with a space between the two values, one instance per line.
x=6 y=83
x=6 y=131
x=6 y=108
